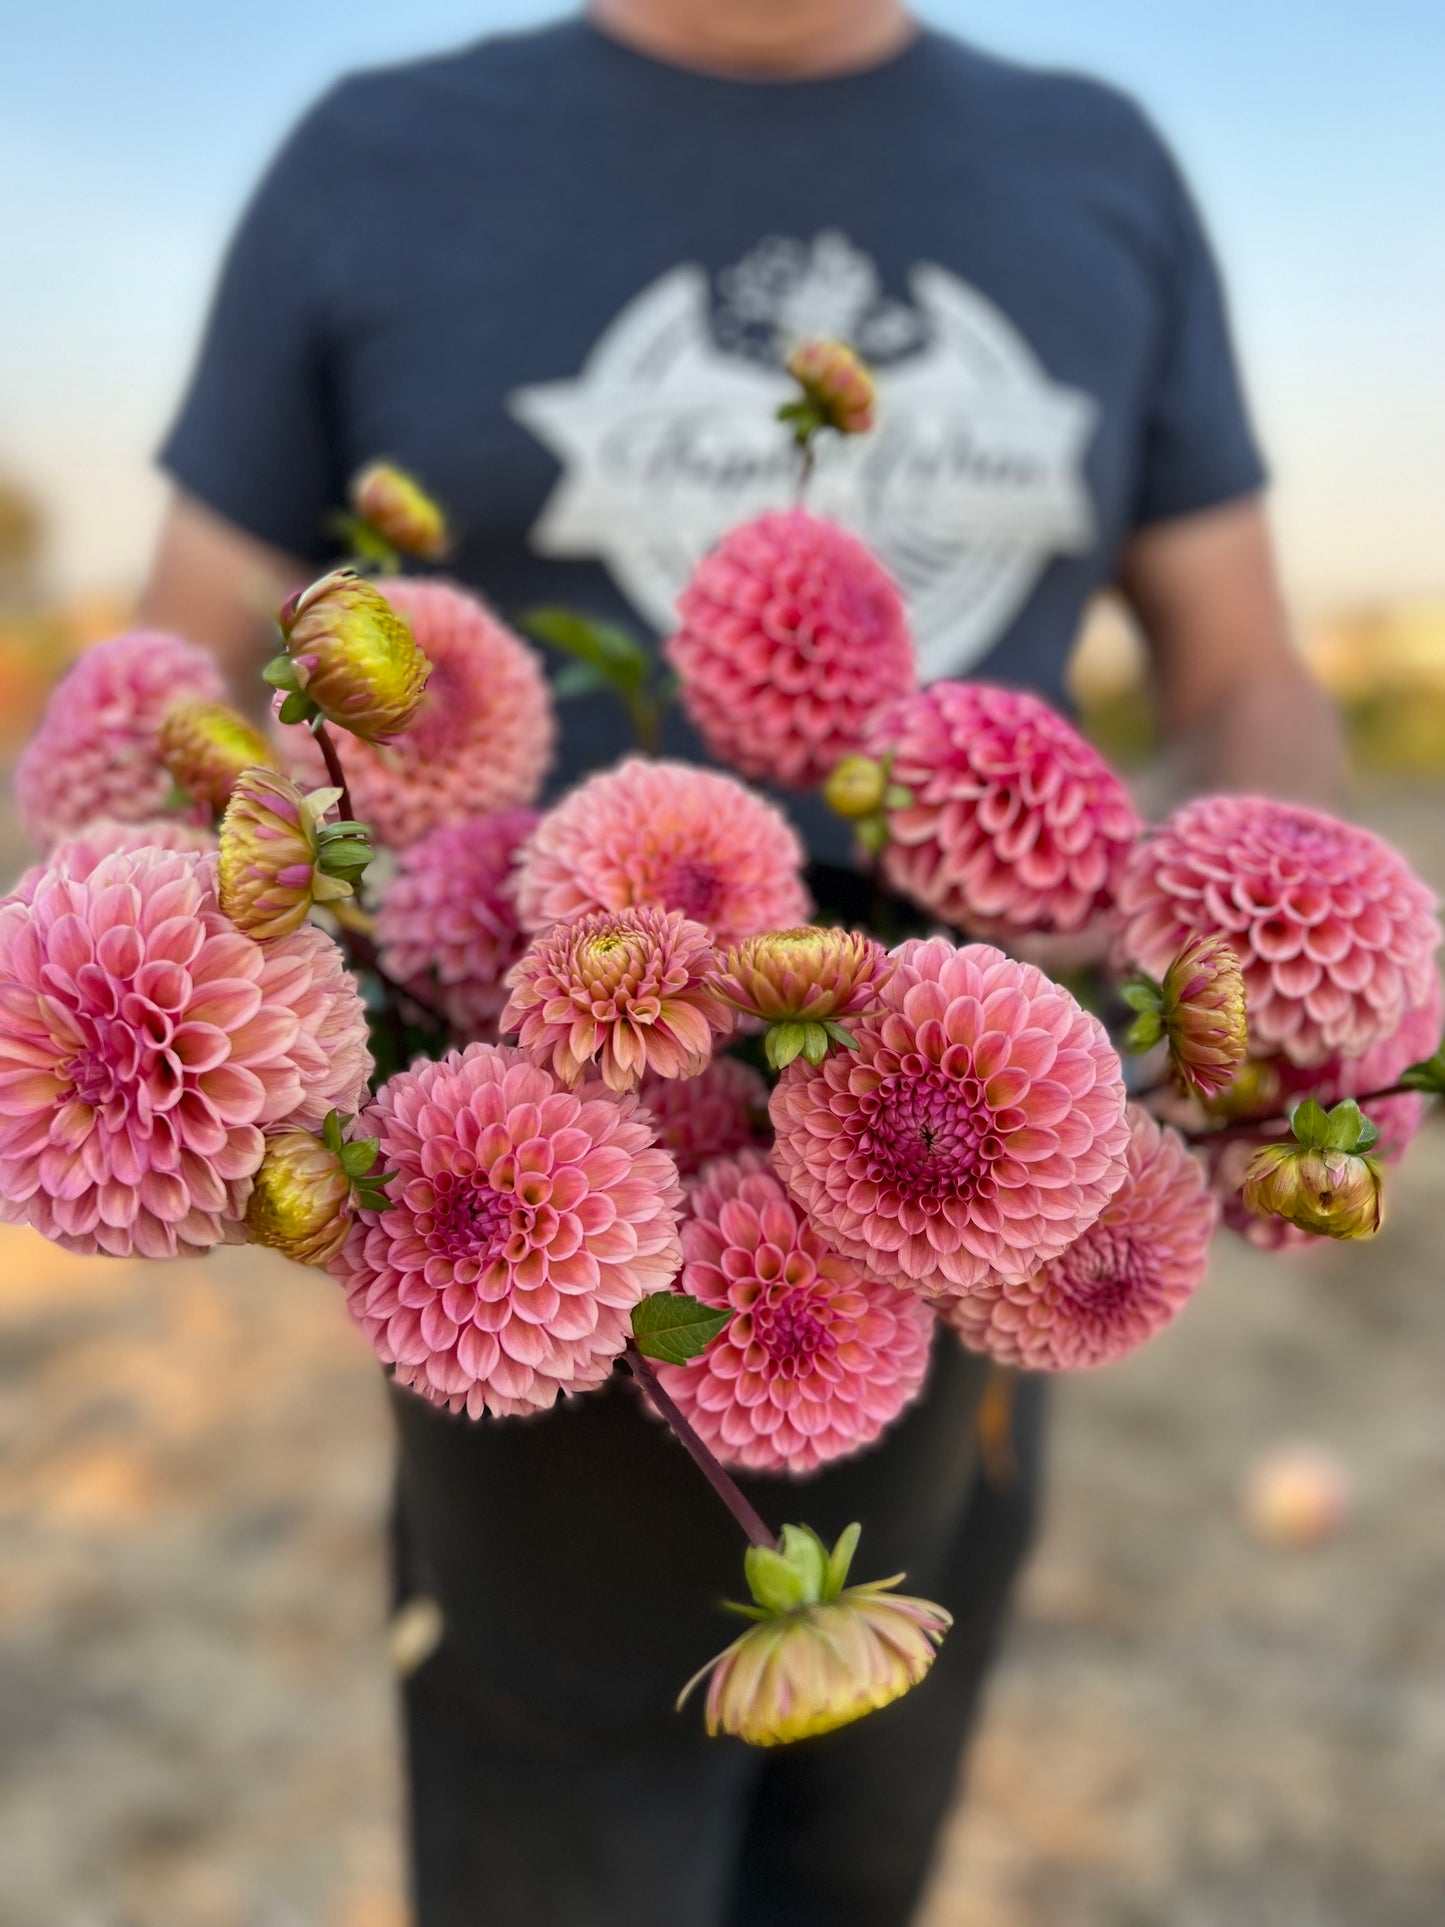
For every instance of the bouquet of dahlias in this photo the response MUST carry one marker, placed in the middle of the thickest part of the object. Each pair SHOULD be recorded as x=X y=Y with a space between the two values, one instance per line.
x=596 y=1086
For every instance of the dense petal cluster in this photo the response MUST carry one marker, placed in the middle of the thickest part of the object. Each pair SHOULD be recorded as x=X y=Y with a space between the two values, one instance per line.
x=807 y=973
x=1119 y=1283
x=817 y=1359
x=975 y=1133
x=721 y=1110
x=792 y=632
x=1016 y=823
x=628 y=990
x=447 y=923
x=96 y=751
x=1204 y=1017
x=669 y=835
x=481 y=740
x=525 y=1222
x=400 y=510
x=146 y=1046
x=302 y=1203
x=76 y=856
x=1335 y=933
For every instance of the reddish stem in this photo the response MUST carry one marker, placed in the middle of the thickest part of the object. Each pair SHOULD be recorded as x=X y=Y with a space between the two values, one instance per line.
x=333 y=766
x=1266 y=1127
x=717 y=1477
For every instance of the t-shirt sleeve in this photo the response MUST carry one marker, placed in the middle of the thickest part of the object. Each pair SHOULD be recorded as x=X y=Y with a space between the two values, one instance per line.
x=1199 y=448
x=253 y=438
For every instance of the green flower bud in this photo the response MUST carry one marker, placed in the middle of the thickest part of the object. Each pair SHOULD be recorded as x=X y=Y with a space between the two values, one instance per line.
x=306 y=1193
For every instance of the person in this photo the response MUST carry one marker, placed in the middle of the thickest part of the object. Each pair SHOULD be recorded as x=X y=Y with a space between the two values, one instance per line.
x=552 y=275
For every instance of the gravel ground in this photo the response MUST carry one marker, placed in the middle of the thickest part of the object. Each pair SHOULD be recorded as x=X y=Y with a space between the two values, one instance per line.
x=1189 y=1729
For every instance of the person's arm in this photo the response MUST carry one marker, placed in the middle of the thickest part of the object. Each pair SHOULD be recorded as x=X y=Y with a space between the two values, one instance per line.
x=1238 y=708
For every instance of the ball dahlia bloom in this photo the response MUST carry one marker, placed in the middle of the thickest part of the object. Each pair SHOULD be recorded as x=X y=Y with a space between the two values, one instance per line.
x=146 y=1047
x=525 y=1222
x=791 y=634
x=1016 y=823
x=399 y=509
x=1119 y=1283
x=354 y=656
x=1335 y=934
x=96 y=752
x=807 y=974
x=628 y=990
x=76 y=856
x=667 y=835
x=206 y=747
x=721 y=1110
x=481 y=740
x=975 y=1133
x=818 y=1358
x=446 y=922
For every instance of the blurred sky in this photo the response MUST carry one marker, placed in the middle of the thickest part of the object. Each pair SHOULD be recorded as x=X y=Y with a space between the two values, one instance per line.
x=129 y=135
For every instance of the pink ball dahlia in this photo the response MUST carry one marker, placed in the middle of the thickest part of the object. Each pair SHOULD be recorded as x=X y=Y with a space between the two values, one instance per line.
x=669 y=835
x=1016 y=824
x=721 y=1110
x=792 y=633
x=146 y=1045
x=483 y=736
x=1117 y=1284
x=974 y=1134
x=525 y=1223
x=818 y=1358
x=1335 y=933
x=626 y=989
x=96 y=752
x=76 y=856
x=447 y=921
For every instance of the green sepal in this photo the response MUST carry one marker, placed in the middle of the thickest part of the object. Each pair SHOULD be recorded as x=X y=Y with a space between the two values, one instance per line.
x=1427 y=1076
x=897 y=797
x=872 y=833
x=808 y=1556
x=1345 y=1128
x=370 y=1192
x=359 y=1155
x=840 y=1034
x=297 y=708
x=672 y=1327
x=774 y=1581
x=840 y=1559
x=783 y=1042
x=280 y=672
x=331 y=1131
x=1145 y=1031
x=1142 y=994
x=815 y=1043
x=758 y=1614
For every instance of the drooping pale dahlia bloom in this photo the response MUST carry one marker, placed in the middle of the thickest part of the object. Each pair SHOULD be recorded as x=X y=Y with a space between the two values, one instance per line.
x=481 y=740
x=974 y=1134
x=808 y=974
x=626 y=990
x=146 y=1045
x=791 y=634
x=525 y=1223
x=1119 y=1283
x=76 y=856
x=1016 y=824
x=1335 y=933
x=206 y=746
x=96 y=751
x=817 y=1359
x=447 y=920
x=668 y=835
x=721 y=1110
x=1325 y=1193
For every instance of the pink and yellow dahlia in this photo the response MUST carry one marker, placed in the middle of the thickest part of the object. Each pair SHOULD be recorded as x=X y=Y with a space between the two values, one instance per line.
x=354 y=656
x=808 y=974
x=974 y=1134
x=791 y=634
x=279 y=855
x=525 y=1222
x=669 y=836
x=837 y=386
x=721 y=1110
x=399 y=509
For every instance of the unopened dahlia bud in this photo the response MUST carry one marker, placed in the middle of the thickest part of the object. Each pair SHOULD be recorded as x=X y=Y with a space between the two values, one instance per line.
x=350 y=656
x=802 y=983
x=399 y=510
x=279 y=855
x=838 y=390
x=1199 y=1012
x=307 y=1190
x=821 y=1653
x=1335 y=1194
x=205 y=746
x=856 y=787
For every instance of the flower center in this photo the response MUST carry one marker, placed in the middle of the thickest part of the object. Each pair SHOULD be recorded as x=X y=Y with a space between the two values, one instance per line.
x=790 y=1331
x=693 y=887
x=470 y=1219
x=930 y=1135
x=1106 y=1277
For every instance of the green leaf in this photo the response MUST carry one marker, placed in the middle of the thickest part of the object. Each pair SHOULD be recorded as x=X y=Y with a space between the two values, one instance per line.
x=674 y=1328
x=331 y=1131
x=1427 y=1076
x=1145 y=1031
x=280 y=672
x=1141 y=994
x=1346 y=1127
x=578 y=679
x=840 y=1560
x=358 y=1157
x=618 y=657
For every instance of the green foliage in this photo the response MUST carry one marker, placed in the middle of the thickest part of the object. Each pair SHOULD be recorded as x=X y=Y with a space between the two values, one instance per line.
x=1345 y=1128
x=672 y=1327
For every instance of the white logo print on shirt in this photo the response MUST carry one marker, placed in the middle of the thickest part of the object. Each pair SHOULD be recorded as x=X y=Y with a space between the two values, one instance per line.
x=970 y=482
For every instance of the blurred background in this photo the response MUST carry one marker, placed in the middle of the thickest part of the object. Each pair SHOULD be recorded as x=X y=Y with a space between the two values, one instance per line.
x=1200 y=1721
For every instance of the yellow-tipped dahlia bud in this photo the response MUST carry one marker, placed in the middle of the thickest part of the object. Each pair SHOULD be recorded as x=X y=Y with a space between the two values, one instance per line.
x=399 y=509
x=838 y=389
x=350 y=656
x=856 y=787
x=1199 y=1011
x=820 y=1653
x=304 y=1198
x=206 y=746
x=802 y=983
x=1335 y=1194
x=279 y=855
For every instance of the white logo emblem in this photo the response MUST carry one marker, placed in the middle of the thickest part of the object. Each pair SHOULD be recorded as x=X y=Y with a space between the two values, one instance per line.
x=970 y=482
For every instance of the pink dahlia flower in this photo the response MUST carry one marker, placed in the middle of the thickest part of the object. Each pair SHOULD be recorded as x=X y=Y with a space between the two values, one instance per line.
x=1335 y=933
x=792 y=633
x=146 y=1046
x=481 y=741
x=96 y=752
x=974 y=1134
x=818 y=1358
x=668 y=835
x=721 y=1110
x=447 y=921
x=525 y=1223
x=1016 y=824
x=1116 y=1285
x=76 y=856
x=626 y=989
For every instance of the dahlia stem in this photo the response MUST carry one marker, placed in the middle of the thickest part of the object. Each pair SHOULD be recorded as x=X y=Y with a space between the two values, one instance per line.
x=1264 y=1127
x=721 y=1482
x=805 y=470
x=333 y=767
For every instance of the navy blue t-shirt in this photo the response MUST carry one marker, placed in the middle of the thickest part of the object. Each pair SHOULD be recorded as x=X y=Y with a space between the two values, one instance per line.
x=553 y=277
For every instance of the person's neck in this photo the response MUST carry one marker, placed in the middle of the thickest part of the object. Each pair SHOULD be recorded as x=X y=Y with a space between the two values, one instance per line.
x=760 y=39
